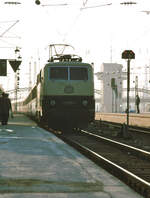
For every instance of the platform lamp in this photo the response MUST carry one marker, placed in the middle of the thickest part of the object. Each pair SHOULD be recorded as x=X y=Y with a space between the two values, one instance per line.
x=128 y=54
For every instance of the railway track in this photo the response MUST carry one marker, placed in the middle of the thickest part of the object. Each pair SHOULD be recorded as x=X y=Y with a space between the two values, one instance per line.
x=136 y=129
x=140 y=136
x=129 y=164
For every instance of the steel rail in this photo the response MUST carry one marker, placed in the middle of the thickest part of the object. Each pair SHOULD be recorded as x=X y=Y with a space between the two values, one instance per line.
x=131 y=128
x=139 y=152
x=135 y=182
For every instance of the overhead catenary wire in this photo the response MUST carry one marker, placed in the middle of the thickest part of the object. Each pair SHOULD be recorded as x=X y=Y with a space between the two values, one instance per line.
x=10 y=44
x=84 y=6
x=9 y=28
x=96 y=6
x=75 y=20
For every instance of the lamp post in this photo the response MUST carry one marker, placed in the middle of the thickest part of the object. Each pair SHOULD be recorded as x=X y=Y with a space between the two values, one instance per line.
x=128 y=54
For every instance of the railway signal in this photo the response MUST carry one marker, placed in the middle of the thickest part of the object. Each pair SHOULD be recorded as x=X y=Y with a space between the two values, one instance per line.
x=15 y=64
x=128 y=54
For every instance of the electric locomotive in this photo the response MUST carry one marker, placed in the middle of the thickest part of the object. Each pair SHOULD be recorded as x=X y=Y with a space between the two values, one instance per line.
x=64 y=93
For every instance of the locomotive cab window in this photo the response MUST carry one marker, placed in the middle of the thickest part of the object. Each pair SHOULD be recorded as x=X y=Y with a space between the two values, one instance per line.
x=59 y=73
x=78 y=73
x=68 y=73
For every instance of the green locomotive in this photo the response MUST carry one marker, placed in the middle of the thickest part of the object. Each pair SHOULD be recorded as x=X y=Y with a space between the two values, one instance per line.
x=64 y=94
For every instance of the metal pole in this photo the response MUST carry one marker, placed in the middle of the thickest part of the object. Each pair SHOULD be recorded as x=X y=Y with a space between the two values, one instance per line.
x=128 y=89
x=16 y=92
x=30 y=82
x=136 y=90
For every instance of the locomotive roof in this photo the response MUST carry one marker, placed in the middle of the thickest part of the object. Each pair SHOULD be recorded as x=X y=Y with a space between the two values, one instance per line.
x=67 y=64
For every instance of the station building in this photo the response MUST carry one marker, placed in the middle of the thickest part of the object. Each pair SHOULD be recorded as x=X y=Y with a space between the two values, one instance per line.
x=112 y=89
x=111 y=80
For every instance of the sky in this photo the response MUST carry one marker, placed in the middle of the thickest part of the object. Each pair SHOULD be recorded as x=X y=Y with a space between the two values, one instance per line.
x=99 y=30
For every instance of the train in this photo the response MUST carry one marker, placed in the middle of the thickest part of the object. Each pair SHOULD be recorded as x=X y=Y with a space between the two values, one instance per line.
x=63 y=96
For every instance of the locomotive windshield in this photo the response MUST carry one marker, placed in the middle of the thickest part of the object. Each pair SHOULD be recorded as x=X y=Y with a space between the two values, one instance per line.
x=68 y=73
x=78 y=73
x=59 y=73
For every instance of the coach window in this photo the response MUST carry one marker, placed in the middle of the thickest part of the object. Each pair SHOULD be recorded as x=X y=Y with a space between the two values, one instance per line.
x=59 y=73
x=78 y=73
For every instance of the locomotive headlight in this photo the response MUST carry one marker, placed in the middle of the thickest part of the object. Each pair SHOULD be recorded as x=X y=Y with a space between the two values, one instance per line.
x=52 y=102
x=85 y=102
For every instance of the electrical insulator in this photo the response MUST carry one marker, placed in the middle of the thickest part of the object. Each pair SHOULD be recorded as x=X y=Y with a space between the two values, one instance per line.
x=37 y=2
x=128 y=3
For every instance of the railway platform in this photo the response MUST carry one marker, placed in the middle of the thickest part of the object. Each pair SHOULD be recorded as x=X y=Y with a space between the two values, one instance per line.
x=141 y=120
x=37 y=164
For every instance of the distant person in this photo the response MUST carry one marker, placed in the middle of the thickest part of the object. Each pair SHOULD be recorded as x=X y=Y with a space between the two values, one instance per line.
x=137 y=102
x=5 y=107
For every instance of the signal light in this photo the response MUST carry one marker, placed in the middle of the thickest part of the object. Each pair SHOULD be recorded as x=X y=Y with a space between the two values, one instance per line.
x=37 y=2
x=128 y=54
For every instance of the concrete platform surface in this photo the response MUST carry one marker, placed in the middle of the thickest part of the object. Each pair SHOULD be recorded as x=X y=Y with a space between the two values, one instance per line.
x=36 y=164
x=141 y=120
